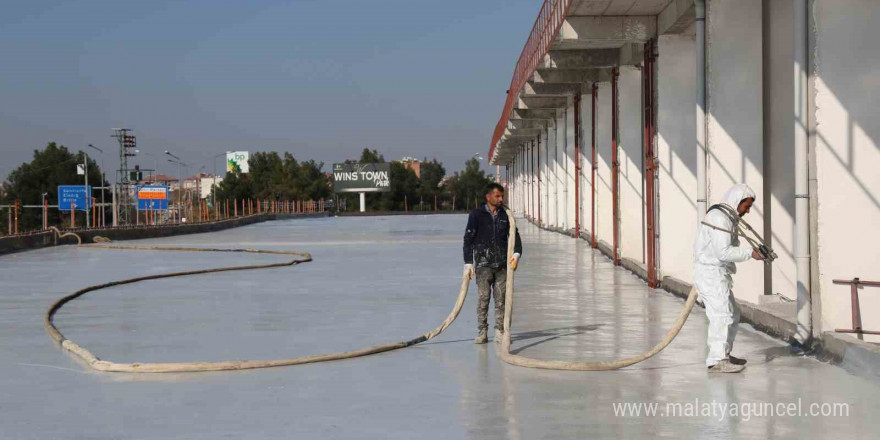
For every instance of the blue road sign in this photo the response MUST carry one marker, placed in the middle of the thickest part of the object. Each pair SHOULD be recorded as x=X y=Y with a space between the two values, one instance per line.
x=76 y=194
x=151 y=197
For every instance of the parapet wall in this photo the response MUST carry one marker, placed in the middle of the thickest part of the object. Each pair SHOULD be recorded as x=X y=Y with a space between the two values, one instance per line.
x=47 y=238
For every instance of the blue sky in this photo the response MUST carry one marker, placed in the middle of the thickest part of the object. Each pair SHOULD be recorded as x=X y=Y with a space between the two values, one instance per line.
x=320 y=79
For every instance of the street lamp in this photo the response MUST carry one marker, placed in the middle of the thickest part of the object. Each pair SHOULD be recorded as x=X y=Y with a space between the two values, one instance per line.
x=172 y=155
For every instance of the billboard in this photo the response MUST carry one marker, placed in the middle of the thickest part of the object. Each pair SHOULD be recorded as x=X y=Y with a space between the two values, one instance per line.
x=151 y=197
x=237 y=161
x=75 y=194
x=361 y=177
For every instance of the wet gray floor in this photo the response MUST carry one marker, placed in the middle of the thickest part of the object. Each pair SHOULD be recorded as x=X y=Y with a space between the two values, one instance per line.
x=376 y=280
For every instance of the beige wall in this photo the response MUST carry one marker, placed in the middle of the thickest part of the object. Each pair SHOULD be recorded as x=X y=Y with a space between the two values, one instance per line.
x=735 y=121
x=847 y=142
x=632 y=204
x=569 y=164
x=586 y=161
x=779 y=146
x=676 y=152
x=604 y=228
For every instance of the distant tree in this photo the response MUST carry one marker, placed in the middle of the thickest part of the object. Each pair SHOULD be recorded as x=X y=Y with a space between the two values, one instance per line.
x=371 y=156
x=50 y=167
x=275 y=177
x=432 y=172
x=312 y=182
x=469 y=186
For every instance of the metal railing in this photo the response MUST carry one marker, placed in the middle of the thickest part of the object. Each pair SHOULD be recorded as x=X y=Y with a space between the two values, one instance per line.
x=855 y=284
x=544 y=31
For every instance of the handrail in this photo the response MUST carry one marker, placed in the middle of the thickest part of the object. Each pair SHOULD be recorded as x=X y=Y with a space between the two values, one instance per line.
x=856 y=310
x=544 y=31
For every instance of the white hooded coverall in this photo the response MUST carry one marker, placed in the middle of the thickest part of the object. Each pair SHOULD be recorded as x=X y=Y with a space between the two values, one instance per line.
x=715 y=255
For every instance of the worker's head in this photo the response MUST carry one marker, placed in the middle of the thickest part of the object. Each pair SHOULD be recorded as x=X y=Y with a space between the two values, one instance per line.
x=741 y=198
x=494 y=194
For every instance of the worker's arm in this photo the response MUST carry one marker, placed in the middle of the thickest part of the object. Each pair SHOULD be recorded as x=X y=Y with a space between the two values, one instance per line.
x=517 y=246
x=470 y=233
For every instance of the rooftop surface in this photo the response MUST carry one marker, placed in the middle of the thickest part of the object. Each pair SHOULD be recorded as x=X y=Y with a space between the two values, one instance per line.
x=376 y=280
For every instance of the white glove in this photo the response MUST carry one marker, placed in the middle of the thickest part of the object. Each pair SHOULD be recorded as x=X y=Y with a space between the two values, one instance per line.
x=469 y=268
x=514 y=261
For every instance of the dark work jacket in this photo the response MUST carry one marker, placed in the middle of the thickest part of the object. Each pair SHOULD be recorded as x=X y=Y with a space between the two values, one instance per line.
x=485 y=239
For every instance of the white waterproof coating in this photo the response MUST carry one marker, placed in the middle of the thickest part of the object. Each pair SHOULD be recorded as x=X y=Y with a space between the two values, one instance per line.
x=715 y=256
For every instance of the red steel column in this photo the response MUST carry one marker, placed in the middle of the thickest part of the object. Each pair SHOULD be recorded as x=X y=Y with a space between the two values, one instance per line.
x=650 y=162
x=577 y=164
x=594 y=118
x=615 y=166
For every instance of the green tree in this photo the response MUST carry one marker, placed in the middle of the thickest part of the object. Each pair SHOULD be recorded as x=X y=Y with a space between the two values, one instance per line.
x=53 y=166
x=312 y=182
x=469 y=185
x=235 y=186
x=432 y=174
x=276 y=177
x=371 y=156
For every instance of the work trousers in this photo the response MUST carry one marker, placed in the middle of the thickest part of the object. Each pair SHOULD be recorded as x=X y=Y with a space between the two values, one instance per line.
x=491 y=282
x=714 y=287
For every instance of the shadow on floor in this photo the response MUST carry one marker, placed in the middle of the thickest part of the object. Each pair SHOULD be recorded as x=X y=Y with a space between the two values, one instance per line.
x=549 y=335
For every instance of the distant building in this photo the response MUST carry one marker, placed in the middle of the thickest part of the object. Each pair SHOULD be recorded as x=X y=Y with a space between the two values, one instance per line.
x=414 y=164
x=207 y=183
x=161 y=179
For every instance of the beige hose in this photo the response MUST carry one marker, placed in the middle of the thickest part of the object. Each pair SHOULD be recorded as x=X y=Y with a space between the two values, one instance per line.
x=522 y=361
x=59 y=235
x=177 y=367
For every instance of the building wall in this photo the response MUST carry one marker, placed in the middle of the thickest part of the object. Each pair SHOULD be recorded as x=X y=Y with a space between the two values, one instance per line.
x=632 y=206
x=532 y=157
x=559 y=165
x=779 y=146
x=569 y=163
x=735 y=122
x=586 y=134
x=677 y=155
x=847 y=148
x=542 y=174
x=552 y=146
x=604 y=225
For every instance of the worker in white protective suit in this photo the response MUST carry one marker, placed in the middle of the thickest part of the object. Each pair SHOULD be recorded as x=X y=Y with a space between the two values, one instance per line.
x=716 y=252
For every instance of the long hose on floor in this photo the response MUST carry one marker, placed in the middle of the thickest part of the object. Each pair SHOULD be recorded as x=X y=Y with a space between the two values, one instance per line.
x=177 y=367
x=522 y=361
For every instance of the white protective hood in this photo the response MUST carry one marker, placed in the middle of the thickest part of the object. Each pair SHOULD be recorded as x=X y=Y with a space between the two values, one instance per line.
x=736 y=194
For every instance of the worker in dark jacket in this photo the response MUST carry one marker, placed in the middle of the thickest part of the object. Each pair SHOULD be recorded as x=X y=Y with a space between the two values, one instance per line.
x=485 y=256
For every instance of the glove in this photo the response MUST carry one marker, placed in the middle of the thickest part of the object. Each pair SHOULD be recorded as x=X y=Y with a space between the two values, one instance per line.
x=514 y=261
x=469 y=268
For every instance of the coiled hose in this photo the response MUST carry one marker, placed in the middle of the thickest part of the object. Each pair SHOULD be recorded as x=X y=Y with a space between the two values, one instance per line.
x=177 y=367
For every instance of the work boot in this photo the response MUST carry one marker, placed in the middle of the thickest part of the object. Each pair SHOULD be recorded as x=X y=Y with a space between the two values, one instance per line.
x=737 y=361
x=482 y=337
x=725 y=366
x=498 y=335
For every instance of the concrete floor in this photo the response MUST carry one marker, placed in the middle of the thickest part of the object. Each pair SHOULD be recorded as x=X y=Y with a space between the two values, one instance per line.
x=377 y=280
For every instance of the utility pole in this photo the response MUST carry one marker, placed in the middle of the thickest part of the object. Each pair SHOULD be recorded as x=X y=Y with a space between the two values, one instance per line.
x=127 y=148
